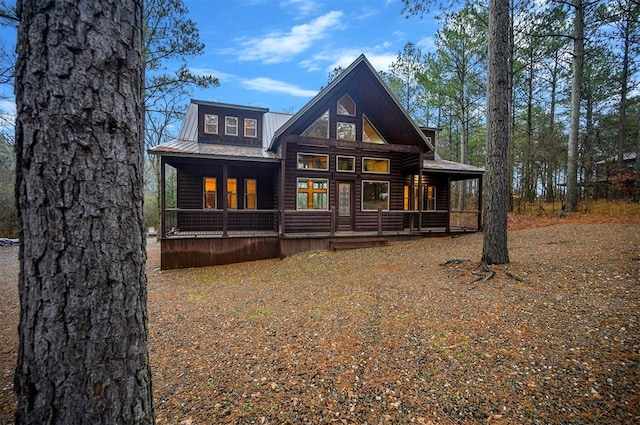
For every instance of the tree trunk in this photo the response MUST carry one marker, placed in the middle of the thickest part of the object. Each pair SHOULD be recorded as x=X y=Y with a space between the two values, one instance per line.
x=494 y=249
x=571 y=199
x=83 y=355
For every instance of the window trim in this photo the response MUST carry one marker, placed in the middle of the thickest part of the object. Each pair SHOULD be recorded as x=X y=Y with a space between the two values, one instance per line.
x=323 y=136
x=217 y=124
x=434 y=197
x=365 y=118
x=311 y=154
x=226 y=127
x=352 y=101
x=388 y=183
x=255 y=127
x=350 y=124
x=232 y=195
x=310 y=191
x=345 y=171
x=247 y=194
x=364 y=170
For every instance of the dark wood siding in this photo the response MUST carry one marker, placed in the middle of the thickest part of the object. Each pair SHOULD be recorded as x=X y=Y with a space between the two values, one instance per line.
x=223 y=139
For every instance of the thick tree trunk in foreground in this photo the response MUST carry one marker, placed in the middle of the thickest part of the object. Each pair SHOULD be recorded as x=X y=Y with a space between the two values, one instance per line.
x=494 y=250
x=83 y=355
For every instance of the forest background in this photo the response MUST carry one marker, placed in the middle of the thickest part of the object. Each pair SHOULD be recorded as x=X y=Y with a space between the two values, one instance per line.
x=445 y=88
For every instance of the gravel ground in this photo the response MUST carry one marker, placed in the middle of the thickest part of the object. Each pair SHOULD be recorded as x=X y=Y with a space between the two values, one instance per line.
x=393 y=334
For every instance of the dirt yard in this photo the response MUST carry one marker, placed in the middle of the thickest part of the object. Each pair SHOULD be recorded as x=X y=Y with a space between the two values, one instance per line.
x=397 y=334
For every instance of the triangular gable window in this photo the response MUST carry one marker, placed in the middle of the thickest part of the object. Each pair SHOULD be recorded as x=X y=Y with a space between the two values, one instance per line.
x=346 y=106
x=319 y=128
x=369 y=133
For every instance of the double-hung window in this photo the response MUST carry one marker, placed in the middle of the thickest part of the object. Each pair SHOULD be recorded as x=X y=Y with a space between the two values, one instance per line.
x=231 y=126
x=210 y=124
x=210 y=192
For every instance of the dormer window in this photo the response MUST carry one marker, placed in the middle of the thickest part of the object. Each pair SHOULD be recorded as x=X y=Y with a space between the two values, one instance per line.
x=250 y=127
x=210 y=124
x=319 y=128
x=346 y=106
x=231 y=126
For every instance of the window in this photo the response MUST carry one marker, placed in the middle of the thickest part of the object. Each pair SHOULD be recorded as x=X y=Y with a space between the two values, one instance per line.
x=369 y=133
x=231 y=126
x=250 y=194
x=346 y=163
x=250 y=127
x=430 y=198
x=210 y=124
x=308 y=161
x=346 y=106
x=232 y=193
x=319 y=128
x=375 y=165
x=210 y=192
x=375 y=195
x=410 y=197
x=313 y=194
x=345 y=131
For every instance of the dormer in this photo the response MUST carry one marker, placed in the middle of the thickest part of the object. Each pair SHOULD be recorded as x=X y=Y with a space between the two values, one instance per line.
x=226 y=124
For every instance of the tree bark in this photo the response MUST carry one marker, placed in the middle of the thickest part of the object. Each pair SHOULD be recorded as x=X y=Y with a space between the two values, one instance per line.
x=494 y=250
x=571 y=198
x=83 y=355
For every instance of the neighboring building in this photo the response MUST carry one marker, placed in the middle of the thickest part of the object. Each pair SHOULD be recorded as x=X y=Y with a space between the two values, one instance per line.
x=606 y=172
x=349 y=169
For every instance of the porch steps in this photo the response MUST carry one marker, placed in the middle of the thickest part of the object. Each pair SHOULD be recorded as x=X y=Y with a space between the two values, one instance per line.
x=355 y=243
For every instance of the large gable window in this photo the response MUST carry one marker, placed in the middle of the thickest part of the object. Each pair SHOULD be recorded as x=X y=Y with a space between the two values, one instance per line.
x=346 y=131
x=319 y=128
x=375 y=195
x=313 y=194
x=210 y=124
x=307 y=161
x=369 y=132
x=231 y=126
x=375 y=165
x=346 y=106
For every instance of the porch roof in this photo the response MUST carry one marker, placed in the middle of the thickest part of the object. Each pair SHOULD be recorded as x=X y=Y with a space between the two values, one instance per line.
x=439 y=165
x=194 y=149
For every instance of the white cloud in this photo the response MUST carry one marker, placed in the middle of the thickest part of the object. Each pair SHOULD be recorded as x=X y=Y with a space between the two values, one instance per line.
x=305 y=7
x=379 y=58
x=220 y=75
x=427 y=44
x=269 y=85
x=279 y=47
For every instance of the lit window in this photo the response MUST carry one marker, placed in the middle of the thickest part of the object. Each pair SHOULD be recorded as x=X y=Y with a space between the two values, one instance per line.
x=319 y=128
x=210 y=124
x=375 y=195
x=346 y=163
x=375 y=165
x=430 y=198
x=346 y=106
x=369 y=133
x=250 y=127
x=313 y=194
x=231 y=126
x=346 y=131
x=209 y=192
x=232 y=193
x=250 y=194
x=313 y=162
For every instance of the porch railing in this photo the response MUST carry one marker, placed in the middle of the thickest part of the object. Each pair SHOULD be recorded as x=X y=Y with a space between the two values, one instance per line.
x=210 y=222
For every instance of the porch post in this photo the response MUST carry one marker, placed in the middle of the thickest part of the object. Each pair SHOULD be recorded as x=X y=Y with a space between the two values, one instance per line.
x=225 y=204
x=480 y=203
x=448 y=228
x=281 y=185
x=162 y=195
x=420 y=194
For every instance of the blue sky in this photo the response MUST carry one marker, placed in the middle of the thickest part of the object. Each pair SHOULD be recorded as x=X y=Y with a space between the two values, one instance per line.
x=278 y=53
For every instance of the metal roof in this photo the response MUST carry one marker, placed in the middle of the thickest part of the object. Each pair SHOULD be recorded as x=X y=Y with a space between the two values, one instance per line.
x=190 y=148
x=443 y=166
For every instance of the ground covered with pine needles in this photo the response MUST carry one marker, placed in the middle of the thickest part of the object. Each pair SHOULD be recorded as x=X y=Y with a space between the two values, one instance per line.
x=408 y=333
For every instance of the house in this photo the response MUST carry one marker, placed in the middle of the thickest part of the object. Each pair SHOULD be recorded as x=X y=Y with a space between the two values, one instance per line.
x=349 y=169
x=609 y=175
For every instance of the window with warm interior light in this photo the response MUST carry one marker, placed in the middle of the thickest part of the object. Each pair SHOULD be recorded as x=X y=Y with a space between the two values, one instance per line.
x=250 y=194
x=346 y=163
x=369 y=132
x=210 y=190
x=319 y=128
x=232 y=193
x=210 y=124
x=313 y=194
x=430 y=198
x=375 y=165
x=375 y=195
